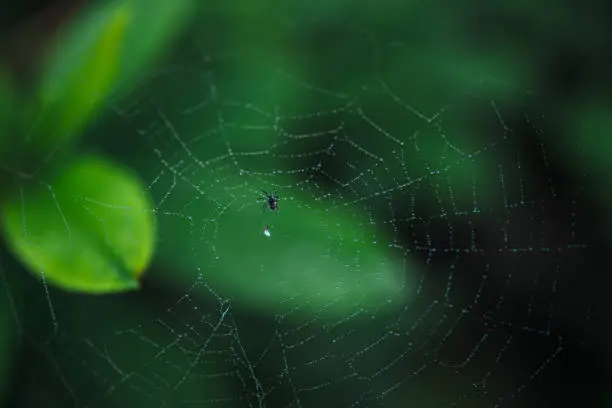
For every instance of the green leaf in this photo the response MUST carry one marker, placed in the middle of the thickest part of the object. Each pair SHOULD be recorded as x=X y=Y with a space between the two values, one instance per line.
x=324 y=261
x=89 y=229
x=106 y=47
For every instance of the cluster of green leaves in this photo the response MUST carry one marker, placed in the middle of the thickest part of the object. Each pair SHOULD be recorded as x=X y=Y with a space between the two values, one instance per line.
x=82 y=222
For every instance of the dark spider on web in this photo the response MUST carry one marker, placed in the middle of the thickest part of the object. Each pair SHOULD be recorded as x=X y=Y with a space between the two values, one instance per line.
x=271 y=201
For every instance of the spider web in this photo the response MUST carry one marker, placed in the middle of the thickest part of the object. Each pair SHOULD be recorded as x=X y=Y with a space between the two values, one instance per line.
x=459 y=187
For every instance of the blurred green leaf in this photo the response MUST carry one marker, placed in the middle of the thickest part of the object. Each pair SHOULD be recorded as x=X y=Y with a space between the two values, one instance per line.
x=326 y=258
x=152 y=26
x=90 y=229
x=83 y=69
x=321 y=260
x=106 y=47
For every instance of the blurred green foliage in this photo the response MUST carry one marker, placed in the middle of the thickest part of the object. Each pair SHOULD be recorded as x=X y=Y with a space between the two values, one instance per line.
x=101 y=52
x=90 y=225
x=81 y=222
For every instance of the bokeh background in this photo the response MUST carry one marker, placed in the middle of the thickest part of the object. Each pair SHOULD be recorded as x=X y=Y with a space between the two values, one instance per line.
x=442 y=235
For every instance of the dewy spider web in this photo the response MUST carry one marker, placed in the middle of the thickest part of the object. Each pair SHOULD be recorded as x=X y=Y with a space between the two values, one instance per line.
x=458 y=186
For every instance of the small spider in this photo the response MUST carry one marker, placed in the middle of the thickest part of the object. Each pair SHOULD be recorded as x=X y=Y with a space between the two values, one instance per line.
x=271 y=201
